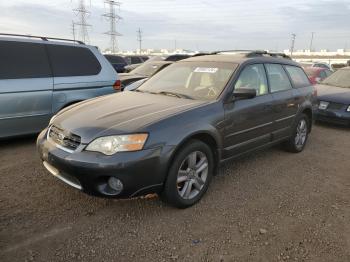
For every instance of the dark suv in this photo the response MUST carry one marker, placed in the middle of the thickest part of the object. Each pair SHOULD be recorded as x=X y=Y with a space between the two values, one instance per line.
x=119 y=62
x=169 y=136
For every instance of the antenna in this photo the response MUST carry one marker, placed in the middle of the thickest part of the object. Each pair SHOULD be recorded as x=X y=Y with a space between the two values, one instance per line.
x=113 y=18
x=292 y=45
x=82 y=14
x=139 y=38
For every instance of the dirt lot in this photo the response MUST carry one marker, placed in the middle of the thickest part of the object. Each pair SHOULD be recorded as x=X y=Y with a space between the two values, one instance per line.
x=270 y=206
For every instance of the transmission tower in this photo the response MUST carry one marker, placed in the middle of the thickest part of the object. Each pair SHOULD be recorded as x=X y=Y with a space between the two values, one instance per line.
x=113 y=18
x=292 y=45
x=82 y=13
x=139 y=39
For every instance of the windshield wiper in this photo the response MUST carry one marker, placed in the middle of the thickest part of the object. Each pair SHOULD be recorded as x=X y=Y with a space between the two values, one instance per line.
x=169 y=93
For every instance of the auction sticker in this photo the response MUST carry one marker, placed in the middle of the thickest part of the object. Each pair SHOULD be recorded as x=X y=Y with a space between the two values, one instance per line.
x=211 y=70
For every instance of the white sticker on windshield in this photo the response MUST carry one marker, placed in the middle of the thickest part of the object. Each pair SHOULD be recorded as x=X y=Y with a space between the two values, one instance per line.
x=211 y=70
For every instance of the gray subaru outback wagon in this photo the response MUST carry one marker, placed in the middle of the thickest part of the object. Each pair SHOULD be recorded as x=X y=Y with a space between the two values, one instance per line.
x=39 y=76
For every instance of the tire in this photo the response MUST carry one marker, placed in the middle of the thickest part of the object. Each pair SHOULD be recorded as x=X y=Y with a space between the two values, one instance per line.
x=301 y=130
x=188 y=176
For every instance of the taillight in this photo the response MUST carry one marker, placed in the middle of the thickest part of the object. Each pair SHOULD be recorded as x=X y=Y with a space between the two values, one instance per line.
x=117 y=86
x=315 y=91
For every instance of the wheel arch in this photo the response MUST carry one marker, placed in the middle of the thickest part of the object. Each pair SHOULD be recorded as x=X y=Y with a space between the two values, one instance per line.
x=204 y=136
x=308 y=112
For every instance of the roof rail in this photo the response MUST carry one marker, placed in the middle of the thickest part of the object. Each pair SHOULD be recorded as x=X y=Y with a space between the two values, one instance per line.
x=253 y=53
x=44 y=38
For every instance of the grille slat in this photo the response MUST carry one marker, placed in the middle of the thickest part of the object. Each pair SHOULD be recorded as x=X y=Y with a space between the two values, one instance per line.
x=64 y=139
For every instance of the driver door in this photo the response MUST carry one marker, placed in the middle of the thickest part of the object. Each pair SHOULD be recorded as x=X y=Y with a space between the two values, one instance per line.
x=249 y=122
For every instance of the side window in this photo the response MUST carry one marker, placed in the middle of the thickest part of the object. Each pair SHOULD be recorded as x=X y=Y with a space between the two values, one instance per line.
x=23 y=60
x=72 y=61
x=299 y=78
x=278 y=78
x=253 y=76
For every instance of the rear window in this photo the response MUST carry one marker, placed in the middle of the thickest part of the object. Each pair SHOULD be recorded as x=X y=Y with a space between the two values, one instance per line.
x=298 y=76
x=72 y=61
x=115 y=59
x=23 y=60
x=311 y=71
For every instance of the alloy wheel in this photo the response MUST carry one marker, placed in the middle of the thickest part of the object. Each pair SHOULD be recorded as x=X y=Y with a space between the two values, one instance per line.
x=301 y=133
x=192 y=175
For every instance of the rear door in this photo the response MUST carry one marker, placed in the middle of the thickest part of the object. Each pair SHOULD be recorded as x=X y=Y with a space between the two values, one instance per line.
x=249 y=122
x=78 y=75
x=286 y=100
x=25 y=88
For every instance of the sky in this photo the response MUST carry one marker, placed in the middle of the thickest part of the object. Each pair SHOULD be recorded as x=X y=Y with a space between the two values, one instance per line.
x=191 y=24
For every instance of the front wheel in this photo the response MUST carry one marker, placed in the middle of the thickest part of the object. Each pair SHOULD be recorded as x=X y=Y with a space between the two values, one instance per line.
x=300 y=135
x=189 y=175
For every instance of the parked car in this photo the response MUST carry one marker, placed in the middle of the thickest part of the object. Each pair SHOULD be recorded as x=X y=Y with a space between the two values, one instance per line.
x=317 y=74
x=39 y=76
x=119 y=62
x=173 y=58
x=135 y=85
x=129 y=68
x=316 y=64
x=334 y=98
x=169 y=135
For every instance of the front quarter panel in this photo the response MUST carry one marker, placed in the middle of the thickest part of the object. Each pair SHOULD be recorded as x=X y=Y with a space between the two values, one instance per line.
x=175 y=130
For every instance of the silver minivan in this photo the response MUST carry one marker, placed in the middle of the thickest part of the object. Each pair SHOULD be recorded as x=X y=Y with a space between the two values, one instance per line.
x=39 y=76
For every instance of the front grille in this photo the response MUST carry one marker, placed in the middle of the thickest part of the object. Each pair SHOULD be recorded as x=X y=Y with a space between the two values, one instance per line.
x=335 y=106
x=64 y=139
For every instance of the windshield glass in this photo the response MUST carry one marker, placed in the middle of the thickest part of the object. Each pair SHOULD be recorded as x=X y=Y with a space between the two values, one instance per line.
x=146 y=69
x=196 y=80
x=340 y=78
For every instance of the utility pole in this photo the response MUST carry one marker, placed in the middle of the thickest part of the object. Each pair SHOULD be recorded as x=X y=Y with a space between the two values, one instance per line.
x=73 y=30
x=82 y=14
x=292 y=45
x=312 y=39
x=139 y=38
x=113 y=18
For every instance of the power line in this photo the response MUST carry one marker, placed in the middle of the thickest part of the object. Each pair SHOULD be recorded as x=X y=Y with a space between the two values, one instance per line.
x=113 y=18
x=82 y=13
x=139 y=38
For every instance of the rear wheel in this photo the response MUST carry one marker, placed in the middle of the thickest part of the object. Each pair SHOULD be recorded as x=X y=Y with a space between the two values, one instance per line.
x=297 y=141
x=189 y=175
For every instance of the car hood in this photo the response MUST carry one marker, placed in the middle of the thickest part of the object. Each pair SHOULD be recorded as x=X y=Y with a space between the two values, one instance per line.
x=121 y=113
x=333 y=94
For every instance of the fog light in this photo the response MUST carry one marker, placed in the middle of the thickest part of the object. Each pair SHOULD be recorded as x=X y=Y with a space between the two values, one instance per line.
x=115 y=184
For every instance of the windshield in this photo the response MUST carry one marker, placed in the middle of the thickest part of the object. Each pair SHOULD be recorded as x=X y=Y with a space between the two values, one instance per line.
x=196 y=80
x=146 y=69
x=340 y=78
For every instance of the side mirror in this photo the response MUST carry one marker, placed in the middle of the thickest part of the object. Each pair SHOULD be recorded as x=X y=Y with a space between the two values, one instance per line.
x=244 y=93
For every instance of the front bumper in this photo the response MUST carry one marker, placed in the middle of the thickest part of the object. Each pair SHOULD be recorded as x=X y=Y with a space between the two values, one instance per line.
x=332 y=116
x=141 y=172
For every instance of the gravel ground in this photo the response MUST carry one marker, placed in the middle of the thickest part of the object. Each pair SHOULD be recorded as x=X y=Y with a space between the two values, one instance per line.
x=269 y=206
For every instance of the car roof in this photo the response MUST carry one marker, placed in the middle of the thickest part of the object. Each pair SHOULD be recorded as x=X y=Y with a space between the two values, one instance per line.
x=38 y=40
x=240 y=58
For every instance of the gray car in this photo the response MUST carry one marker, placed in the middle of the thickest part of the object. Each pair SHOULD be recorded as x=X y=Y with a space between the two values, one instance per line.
x=170 y=134
x=39 y=76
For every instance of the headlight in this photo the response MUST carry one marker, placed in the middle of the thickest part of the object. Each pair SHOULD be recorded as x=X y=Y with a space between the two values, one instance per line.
x=348 y=109
x=110 y=145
